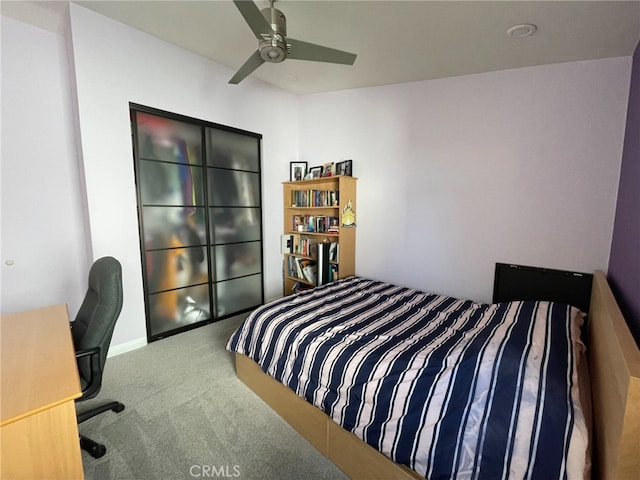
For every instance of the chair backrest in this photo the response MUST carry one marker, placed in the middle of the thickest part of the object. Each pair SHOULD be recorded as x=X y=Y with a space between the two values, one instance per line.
x=96 y=319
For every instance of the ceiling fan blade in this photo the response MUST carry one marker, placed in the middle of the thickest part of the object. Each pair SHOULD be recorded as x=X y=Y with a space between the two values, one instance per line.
x=254 y=18
x=309 y=51
x=249 y=66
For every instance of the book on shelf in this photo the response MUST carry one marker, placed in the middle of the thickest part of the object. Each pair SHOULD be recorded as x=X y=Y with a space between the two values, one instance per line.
x=333 y=251
x=302 y=268
x=314 y=198
x=298 y=223
x=307 y=269
x=316 y=224
x=304 y=245
x=292 y=268
x=333 y=272
x=310 y=273
x=334 y=226
x=298 y=267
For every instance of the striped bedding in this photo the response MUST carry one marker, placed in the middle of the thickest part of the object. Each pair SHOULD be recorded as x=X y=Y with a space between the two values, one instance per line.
x=451 y=388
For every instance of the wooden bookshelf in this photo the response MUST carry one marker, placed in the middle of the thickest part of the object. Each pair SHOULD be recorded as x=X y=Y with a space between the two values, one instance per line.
x=314 y=204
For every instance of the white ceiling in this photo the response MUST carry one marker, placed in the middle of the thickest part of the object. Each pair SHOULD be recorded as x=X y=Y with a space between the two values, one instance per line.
x=396 y=41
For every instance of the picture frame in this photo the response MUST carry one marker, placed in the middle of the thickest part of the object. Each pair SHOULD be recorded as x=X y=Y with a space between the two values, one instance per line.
x=315 y=172
x=344 y=168
x=297 y=171
x=327 y=169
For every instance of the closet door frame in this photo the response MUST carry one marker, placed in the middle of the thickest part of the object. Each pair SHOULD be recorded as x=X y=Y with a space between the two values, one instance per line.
x=209 y=247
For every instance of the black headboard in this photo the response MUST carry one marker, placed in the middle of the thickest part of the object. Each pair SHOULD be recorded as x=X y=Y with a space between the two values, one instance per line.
x=520 y=282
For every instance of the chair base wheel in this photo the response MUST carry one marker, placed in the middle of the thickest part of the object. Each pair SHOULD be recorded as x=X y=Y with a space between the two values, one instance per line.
x=95 y=449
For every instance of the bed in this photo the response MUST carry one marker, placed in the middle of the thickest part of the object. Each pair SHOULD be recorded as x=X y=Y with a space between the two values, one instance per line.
x=305 y=330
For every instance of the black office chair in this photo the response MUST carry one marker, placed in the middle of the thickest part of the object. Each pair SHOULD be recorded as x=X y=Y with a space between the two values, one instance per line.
x=91 y=331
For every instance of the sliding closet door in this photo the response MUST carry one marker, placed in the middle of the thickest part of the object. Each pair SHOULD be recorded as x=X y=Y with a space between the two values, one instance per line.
x=200 y=220
x=233 y=176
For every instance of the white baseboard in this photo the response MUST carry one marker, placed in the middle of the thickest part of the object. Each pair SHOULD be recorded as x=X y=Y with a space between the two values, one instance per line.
x=126 y=347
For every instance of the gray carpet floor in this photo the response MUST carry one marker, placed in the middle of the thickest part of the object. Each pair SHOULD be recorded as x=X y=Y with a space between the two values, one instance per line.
x=187 y=416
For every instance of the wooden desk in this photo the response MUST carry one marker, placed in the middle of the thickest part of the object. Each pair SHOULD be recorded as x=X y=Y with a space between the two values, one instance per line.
x=39 y=382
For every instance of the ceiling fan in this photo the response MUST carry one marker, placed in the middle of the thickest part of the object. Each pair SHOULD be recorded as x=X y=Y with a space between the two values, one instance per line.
x=270 y=28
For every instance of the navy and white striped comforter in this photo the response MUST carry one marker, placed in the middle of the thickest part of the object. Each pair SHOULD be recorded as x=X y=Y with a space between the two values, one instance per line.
x=450 y=388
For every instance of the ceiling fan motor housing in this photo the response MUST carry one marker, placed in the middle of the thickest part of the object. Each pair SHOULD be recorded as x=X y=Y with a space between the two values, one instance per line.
x=273 y=48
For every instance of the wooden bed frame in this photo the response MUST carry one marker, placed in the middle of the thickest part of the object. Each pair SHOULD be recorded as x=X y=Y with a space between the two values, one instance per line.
x=614 y=364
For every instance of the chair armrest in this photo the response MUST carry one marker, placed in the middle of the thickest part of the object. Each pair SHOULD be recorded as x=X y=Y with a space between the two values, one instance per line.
x=87 y=351
x=94 y=382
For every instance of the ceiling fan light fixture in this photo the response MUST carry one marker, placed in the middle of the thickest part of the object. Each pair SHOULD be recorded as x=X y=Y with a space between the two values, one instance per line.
x=522 y=30
x=273 y=50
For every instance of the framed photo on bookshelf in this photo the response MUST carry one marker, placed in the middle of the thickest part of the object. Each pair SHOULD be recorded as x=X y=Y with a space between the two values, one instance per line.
x=344 y=168
x=315 y=172
x=298 y=170
x=327 y=170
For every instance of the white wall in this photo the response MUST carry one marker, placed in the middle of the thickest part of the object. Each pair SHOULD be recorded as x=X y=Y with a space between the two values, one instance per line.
x=517 y=166
x=114 y=65
x=42 y=217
